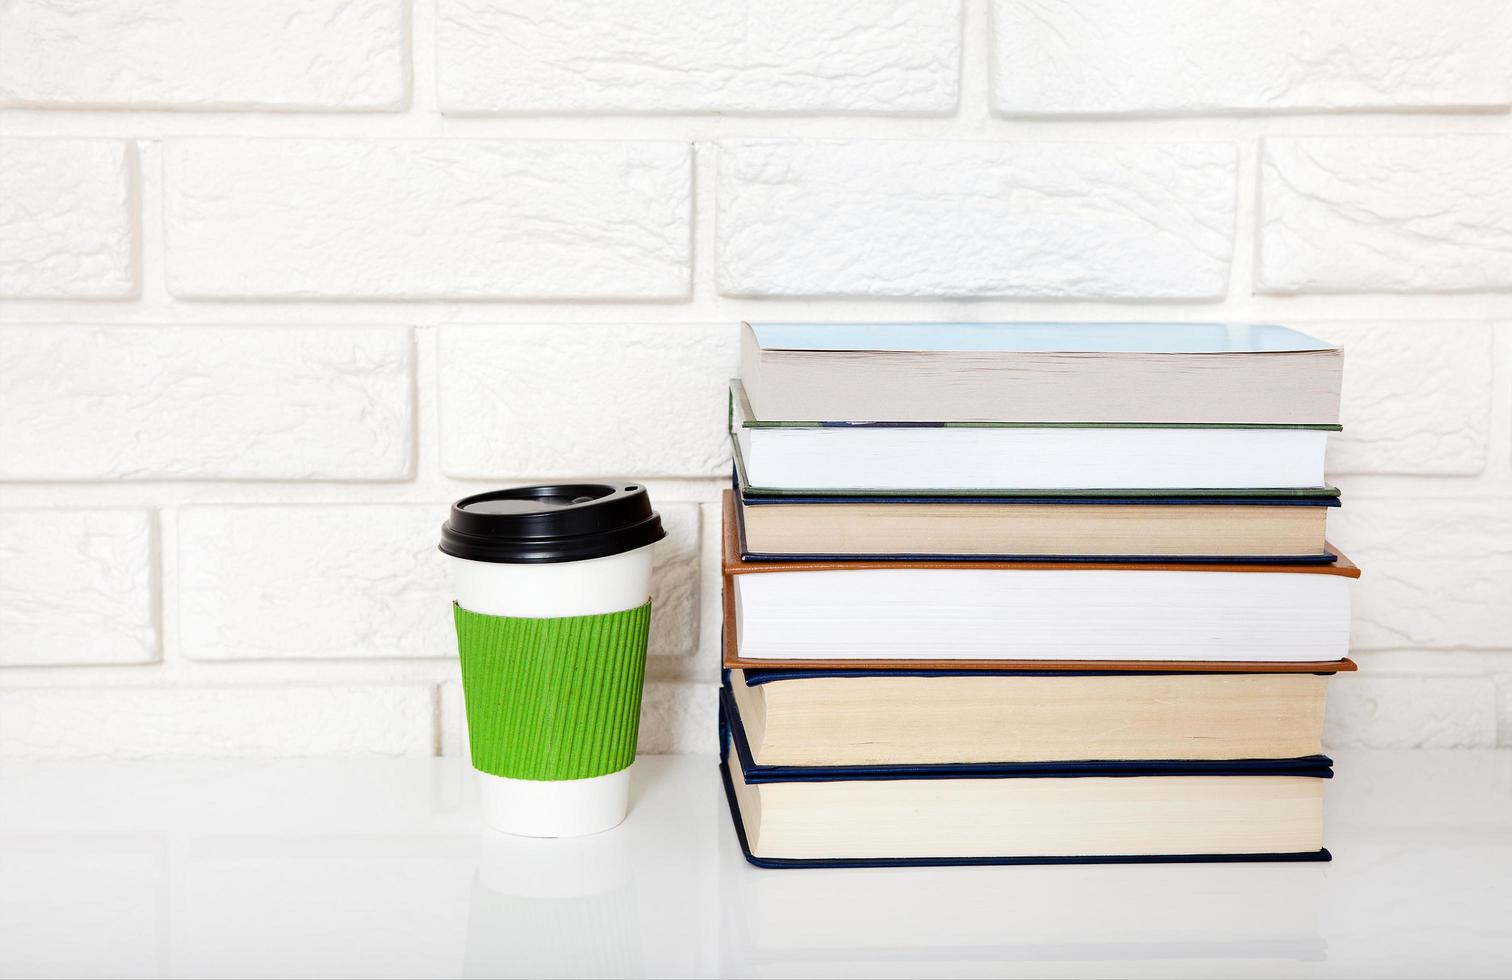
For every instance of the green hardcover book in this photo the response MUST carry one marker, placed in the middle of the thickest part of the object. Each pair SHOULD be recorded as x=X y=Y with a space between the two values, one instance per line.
x=977 y=458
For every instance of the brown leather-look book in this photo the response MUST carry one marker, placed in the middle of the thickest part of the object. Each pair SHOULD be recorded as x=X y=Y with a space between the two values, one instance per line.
x=1299 y=620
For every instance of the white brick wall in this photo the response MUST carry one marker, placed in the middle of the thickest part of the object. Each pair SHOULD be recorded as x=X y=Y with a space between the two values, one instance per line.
x=1412 y=713
x=76 y=587
x=229 y=403
x=364 y=581
x=935 y=219
x=649 y=399
x=858 y=56
x=177 y=54
x=136 y=722
x=278 y=281
x=470 y=219
x=1440 y=571
x=65 y=219
x=1386 y=214
x=1180 y=56
x=1417 y=395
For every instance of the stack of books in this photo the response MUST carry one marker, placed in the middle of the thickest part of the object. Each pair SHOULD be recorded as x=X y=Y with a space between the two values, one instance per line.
x=1013 y=593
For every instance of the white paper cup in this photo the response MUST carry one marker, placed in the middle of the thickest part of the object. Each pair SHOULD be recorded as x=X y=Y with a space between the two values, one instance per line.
x=509 y=676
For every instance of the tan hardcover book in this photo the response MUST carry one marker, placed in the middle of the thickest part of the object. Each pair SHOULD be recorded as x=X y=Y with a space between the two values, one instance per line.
x=842 y=718
x=1055 y=616
x=859 y=528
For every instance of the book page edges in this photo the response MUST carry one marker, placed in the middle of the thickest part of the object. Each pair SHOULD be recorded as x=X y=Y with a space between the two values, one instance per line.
x=733 y=564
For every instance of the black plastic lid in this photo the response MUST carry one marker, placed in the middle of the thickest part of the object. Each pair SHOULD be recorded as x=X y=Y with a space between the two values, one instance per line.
x=562 y=522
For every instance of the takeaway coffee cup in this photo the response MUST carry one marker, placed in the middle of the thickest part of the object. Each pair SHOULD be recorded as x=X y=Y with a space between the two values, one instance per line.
x=552 y=590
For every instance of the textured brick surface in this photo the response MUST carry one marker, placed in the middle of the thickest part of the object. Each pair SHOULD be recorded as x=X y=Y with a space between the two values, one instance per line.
x=874 y=218
x=1438 y=572
x=190 y=54
x=328 y=581
x=1366 y=711
x=77 y=587
x=679 y=718
x=1385 y=214
x=240 y=722
x=637 y=400
x=1417 y=396
x=865 y=56
x=359 y=580
x=134 y=403
x=66 y=228
x=1182 y=56
x=453 y=720
x=536 y=256
x=1504 y=711
x=400 y=219
x=675 y=585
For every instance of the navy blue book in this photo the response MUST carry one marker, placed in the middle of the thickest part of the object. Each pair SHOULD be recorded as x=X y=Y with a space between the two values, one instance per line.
x=1022 y=813
x=1166 y=528
x=885 y=717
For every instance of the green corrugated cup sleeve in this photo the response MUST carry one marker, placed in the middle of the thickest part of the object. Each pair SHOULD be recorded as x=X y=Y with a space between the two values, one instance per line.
x=551 y=699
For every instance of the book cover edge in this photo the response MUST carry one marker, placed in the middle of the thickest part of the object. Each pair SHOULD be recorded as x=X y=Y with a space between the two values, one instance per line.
x=733 y=564
x=1303 y=767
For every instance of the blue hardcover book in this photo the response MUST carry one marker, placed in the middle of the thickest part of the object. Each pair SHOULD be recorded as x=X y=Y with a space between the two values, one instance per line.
x=1083 y=812
x=1096 y=373
x=1252 y=529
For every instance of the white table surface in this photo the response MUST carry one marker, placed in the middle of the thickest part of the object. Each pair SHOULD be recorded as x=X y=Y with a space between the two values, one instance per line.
x=381 y=868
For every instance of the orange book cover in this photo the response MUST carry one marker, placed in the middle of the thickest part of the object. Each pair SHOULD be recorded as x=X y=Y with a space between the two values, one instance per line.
x=733 y=565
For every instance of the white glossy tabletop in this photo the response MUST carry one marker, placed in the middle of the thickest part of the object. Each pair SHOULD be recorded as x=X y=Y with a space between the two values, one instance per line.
x=381 y=869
